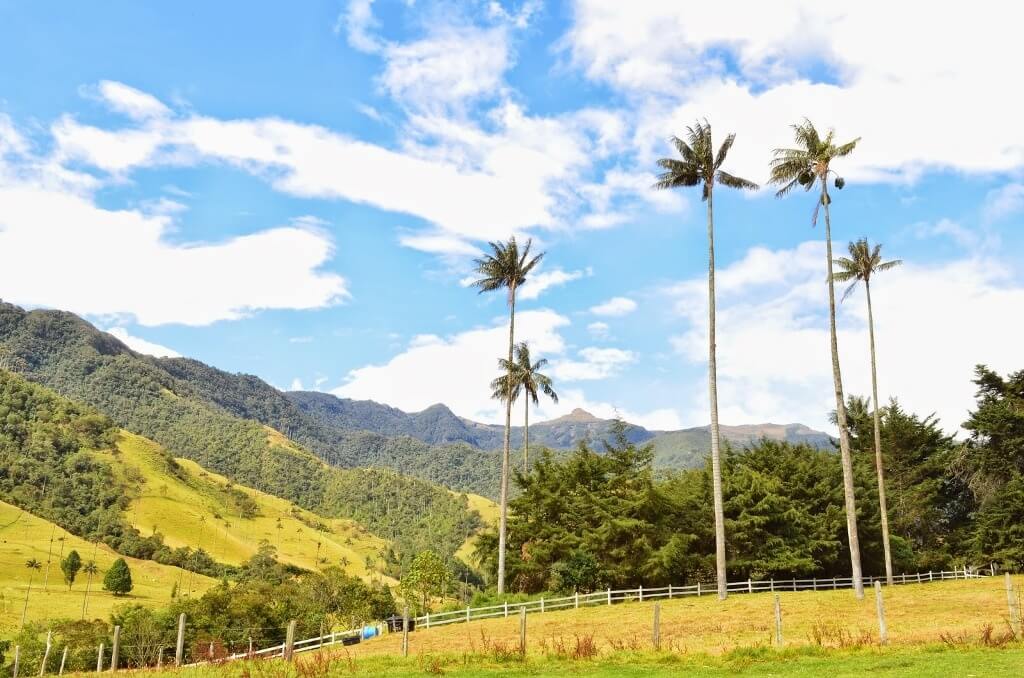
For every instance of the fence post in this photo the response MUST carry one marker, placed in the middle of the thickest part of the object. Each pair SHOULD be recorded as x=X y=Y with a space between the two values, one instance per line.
x=778 y=621
x=656 y=634
x=179 y=650
x=576 y=602
x=250 y=645
x=405 y=631
x=698 y=588
x=542 y=603
x=46 y=653
x=750 y=585
x=522 y=631
x=1011 y=601
x=641 y=591
x=814 y=581
x=771 y=585
x=289 y=641
x=99 y=659
x=63 y=661
x=930 y=575
x=467 y=614
x=116 y=650
x=506 y=609
x=883 y=631
x=609 y=596
x=17 y=658
x=427 y=619
x=160 y=658
x=670 y=591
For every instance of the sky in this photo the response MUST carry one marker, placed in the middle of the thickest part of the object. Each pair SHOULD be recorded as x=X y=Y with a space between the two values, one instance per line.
x=299 y=190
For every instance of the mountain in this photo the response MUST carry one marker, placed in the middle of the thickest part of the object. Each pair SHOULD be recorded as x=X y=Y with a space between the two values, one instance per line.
x=438 y=424
x=238 y=426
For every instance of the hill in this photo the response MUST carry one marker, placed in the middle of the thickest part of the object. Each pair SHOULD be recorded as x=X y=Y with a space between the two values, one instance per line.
x=190 y=506
x=196 y=419
x=688 y=447
x=24 y=536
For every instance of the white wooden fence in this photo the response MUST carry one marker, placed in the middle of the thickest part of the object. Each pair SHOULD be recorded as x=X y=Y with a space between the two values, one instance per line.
x=640 y=594
x=611 y=597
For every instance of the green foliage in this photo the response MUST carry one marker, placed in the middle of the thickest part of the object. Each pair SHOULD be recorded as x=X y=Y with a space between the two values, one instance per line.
x=70 y=567
x=426 y=576
x=118 y=579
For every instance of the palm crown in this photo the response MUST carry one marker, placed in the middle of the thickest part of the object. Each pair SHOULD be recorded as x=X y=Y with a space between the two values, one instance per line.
x=700 y=164
x=863 y=261
x=809 y=162
x=506 y=266
x=522 y=374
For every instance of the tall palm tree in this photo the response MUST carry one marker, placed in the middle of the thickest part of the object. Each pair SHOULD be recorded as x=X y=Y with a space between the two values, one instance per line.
x=805 y=166
x=526 y=376
x=90 y=569
x=33 y=566
x=702 y=166
x=506 y=267
x=863 y=262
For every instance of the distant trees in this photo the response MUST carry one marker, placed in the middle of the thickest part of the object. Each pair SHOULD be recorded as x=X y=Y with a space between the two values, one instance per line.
x=506 y=267
x=70 y=567
x=700 y=165
x=807 y=165
x=863 y=262
x=118 y=579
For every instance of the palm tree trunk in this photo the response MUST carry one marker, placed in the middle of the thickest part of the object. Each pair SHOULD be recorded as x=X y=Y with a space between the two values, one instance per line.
x=507 y=445
x=716 y=461
x=85 y=601
x=526 y=435
x=844 y=434
x=879 y=466
x=24 y=609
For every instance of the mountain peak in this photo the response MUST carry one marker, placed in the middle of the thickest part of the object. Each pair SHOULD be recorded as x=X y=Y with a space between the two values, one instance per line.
x=578 y=415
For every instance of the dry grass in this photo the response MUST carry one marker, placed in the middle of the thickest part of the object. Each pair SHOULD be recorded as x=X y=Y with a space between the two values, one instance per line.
x=916 y=614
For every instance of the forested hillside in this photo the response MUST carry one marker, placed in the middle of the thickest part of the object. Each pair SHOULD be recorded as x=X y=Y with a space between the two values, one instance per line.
x=65 y=353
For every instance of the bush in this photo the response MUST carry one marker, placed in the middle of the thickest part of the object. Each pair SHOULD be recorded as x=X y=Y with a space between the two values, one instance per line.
x=118 y=579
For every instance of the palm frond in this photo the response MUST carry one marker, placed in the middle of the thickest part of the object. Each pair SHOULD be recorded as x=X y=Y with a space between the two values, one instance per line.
x=889 y=265
x=723 y=151
x=848 y=292
x=733 y=181
x=845 y=149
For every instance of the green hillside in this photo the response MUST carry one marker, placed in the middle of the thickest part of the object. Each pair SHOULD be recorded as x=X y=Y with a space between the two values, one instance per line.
x=70 y=356
x=24 y=536
x=190 y=506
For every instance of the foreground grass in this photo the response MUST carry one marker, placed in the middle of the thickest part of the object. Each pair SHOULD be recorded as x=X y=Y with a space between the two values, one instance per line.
x=938 y=661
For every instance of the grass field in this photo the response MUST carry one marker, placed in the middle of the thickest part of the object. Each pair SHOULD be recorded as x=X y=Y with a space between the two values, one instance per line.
x=916 y=614
x=199 y=511
x=24 y=536
x=490 y=513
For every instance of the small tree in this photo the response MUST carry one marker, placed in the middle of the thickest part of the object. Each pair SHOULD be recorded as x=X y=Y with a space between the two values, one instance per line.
x=70 y=567
x=427 y=576
x=118 y=579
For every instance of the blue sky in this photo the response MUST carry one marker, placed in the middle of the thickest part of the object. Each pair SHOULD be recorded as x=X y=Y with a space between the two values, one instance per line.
x=298 y=192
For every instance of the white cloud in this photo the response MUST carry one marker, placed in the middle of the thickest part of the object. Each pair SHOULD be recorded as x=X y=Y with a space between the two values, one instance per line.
x=300 y=340
x=455 y=370
x=296 y=385
x=1003 y=202
x=595 y=363
x=140 y=345
x=616 y=306
x=439 y=243
x=46 y=209
x=358 y=21
x=757 y=71
x=540 y=282
x=134 y=103
x=773 y=348
x=598 y=330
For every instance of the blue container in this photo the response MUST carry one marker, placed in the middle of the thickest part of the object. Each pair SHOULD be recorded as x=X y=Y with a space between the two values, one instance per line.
x=369 y=632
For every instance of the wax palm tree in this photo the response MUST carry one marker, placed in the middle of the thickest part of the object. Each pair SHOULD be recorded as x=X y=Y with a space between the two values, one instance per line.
x=526 y=376
x=33 y=566
x=863 y=262
x=807 y=166
x=506 y=267
x=90 y=569
x=702 y=166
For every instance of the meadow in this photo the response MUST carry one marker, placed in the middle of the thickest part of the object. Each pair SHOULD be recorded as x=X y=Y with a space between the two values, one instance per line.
x=24 y=536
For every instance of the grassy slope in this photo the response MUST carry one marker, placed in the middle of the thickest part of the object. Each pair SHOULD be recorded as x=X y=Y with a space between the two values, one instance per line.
x=186 y=513
x=916 y=614
x=24 y=536
x=490 y=513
